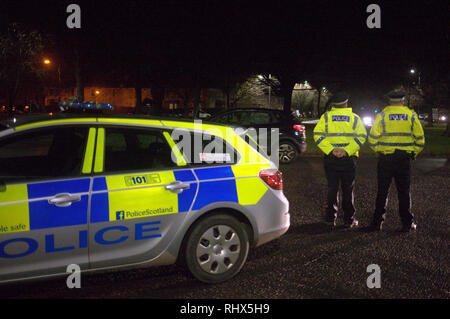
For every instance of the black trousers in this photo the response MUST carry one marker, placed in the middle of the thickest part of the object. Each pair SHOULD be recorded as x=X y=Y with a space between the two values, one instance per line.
x=340 y=171
x=395 y=166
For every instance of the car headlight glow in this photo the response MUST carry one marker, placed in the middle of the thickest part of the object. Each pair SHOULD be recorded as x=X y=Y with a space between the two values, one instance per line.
x=443 y=118
x=367 y=120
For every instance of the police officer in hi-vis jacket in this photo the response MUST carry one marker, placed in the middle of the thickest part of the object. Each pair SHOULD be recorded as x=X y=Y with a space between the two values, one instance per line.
x=397 y=137
x=340 y=134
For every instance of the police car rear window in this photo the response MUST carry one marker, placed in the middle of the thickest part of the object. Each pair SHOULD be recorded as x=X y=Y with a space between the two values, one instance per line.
x=204 y=149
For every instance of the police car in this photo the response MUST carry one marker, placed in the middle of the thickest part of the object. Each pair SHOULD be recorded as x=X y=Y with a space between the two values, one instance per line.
x=111 y=191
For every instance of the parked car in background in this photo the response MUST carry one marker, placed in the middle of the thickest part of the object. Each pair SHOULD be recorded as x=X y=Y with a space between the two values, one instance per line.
x=292 y=136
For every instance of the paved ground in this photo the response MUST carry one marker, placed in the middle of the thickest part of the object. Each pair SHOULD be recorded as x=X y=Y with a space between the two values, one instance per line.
x=309 y=261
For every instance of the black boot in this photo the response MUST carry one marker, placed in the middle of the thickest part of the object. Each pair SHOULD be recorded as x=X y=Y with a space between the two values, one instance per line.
x=407 y=228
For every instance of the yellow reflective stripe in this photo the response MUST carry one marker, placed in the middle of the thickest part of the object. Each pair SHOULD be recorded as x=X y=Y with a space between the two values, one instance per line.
x=54 y=122
x=248 y=170
x=198 y=125
x=176 y=151
x=14 y=193
x=143 y=201
x=14 y=218
x=123 y=181
x=89 y=154
x=99 y=152
x=250 y=190
x=130 y=121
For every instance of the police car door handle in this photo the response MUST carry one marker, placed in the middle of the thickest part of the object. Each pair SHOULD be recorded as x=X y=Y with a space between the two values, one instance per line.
x=177 y=187
x=64 y=199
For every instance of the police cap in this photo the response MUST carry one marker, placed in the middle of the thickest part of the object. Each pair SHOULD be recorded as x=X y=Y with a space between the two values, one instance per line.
x=396 y=96
x=339 y=98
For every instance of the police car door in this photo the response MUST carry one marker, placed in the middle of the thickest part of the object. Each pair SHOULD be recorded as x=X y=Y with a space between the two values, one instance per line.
x=43 y=202
x=139 y=196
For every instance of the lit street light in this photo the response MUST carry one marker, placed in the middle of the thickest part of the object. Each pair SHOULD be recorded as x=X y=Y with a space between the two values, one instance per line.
x=48 y=62
x=413 y=71
x=269 y=85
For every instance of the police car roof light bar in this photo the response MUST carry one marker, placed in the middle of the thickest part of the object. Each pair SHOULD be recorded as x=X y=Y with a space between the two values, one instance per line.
x=86 y=105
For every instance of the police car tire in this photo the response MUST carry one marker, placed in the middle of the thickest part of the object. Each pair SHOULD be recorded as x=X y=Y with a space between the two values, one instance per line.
x=294 y=149
x=193 y=241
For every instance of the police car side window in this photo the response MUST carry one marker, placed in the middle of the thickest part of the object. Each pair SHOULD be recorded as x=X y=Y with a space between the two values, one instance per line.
x=129 y=149
x=258 y=118
x=204 y=149
x=43 y=154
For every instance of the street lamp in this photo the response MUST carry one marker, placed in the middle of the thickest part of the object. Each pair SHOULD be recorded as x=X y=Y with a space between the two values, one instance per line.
x=48 y=62
x=269 y=85
x=413 y=71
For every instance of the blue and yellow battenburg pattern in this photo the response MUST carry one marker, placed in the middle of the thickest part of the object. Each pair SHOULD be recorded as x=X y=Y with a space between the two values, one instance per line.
x=25 y=207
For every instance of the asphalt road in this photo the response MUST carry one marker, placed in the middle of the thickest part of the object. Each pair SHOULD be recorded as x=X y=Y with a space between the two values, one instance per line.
x=309 y=261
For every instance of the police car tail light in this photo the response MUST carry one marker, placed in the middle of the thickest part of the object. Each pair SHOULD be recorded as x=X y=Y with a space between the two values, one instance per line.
x=299 y=127
x=273 y=178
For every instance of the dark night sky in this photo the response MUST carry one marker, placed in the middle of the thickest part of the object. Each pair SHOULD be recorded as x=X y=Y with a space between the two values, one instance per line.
x=331 y=36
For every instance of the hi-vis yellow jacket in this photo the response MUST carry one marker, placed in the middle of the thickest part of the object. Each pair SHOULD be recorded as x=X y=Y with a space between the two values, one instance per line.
x=397 y=127
x=340 y=128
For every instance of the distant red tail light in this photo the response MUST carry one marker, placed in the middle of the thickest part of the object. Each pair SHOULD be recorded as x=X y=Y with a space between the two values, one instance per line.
x=272 y=177
x=299 y=127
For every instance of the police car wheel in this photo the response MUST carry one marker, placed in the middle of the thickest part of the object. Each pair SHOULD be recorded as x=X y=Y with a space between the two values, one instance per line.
x=287 y=152
x=217 y=248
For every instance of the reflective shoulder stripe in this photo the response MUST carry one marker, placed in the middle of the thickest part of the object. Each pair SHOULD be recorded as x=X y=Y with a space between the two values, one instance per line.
x=320 y=140
x=89 y=154
x=358 y=142
x=326 y=122
x=395 y=144
x=342 y=134
x=355 y=122
x=383 y=124
x=340 y=145
x=99 y=152
x=413 y=118
x=396 y=134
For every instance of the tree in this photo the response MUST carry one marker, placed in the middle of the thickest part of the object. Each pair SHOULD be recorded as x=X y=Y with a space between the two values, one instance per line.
x=19 y=56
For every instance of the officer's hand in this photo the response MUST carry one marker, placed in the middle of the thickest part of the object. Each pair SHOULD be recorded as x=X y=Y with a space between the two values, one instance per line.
x=339 y=152
x=336 y=152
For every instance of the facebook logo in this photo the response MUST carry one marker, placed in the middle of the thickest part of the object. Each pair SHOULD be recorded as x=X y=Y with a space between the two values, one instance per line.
x=120 y=215
x=398 y=117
